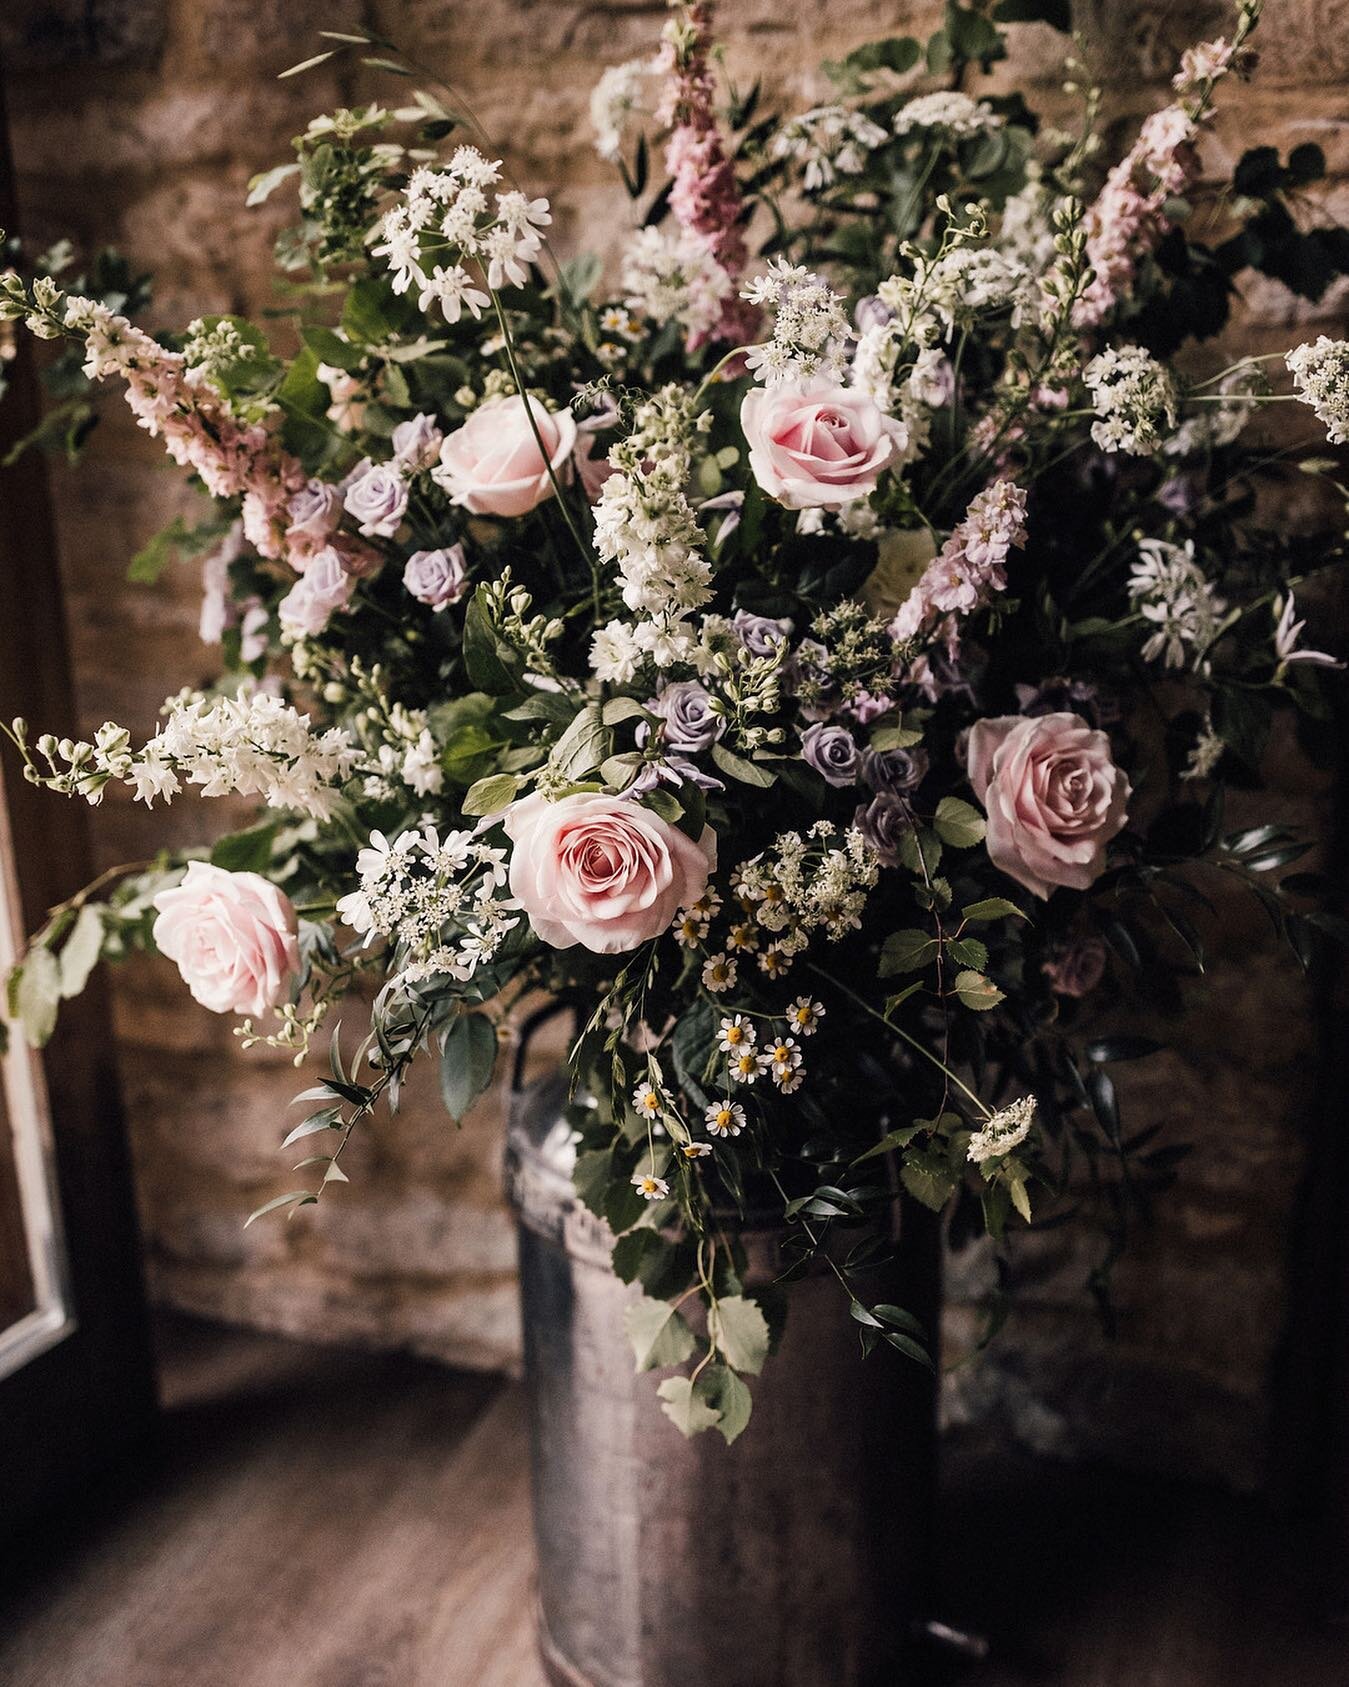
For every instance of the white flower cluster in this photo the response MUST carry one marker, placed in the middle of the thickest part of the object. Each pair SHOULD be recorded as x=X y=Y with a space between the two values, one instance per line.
x=1006 y=1130
x=968 y=279
x=1026 y=231
x=251 y=745
x=614 y=98
x=828 y=141
x=1205 y=753
x=438 y=899
x=1169 y=588
x=674 y=277
x=1320 y=372
x=446 y=214
x=810 y=330
x=407 y=755
x=779 y=1060
x=955 y=113
x=803 y=885
x=1134 y=398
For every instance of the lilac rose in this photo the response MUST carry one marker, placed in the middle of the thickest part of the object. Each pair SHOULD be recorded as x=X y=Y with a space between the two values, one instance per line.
x=691 y=723
x=377 y=500
x=314 y=512
x=760 y=634
x=832 y=752
x=885 y=822
x=437 y=578
x=897 y=771
x=416 y=443
x=324 y=587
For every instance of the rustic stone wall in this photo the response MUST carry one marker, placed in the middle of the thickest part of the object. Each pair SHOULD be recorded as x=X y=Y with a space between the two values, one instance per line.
x=139 y=122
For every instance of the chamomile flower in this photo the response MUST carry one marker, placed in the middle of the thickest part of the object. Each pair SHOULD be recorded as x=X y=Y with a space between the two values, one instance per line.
x=783 y=1053
x=646 y=1099
x=719 y=973
x=696 y=1150
x=774 y=961
x=735 y=1034
x=725 y=1118
x=690 y=929
x=745 y=1067
x=787 y=1081
x=804 y=1016
x=742 y=937
x=649 y=1186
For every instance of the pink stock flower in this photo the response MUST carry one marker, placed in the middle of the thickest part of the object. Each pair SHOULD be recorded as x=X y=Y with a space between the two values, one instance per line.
x=233 y=937
x=602 y=871
x=1053 y=795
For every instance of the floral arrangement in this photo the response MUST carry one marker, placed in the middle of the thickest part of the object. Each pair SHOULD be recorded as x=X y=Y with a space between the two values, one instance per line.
x=819 y=661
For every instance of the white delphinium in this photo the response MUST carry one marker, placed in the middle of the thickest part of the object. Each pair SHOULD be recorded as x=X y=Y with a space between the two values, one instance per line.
x=1006 y=1130
x=250 y=745
x=1026 y=231
x=445 y=218
x=1134 y=398
x=438 y=899
x=975 y=280
x=949 y=110
x=1169 y=588
x=1320 y=372
x=674 y=277
x=828 y=141
x=810 y=329
x=1215 y=425
x=614 y=98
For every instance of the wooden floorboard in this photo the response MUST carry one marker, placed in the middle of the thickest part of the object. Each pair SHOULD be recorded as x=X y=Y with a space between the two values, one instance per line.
x=318 y=1518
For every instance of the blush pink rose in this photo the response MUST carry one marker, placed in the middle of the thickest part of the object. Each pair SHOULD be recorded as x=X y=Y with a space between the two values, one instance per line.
x=602 y=871
x=233 y=936
x=492 y=465
x=1053 y=796
x=815 y=445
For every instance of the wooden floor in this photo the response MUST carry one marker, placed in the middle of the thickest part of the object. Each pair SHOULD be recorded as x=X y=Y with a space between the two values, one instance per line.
x=318 y=1518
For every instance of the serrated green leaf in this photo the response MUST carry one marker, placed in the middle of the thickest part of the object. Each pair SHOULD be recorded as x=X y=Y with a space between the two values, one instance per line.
x=907 y=951
x=968 y=952
x=727 y=1395
x=739 y=1331
x=929 y=1179
x=976 y=991
x=659 y=1334
x=959 y=823
x=992 y=908
x=687 y=1410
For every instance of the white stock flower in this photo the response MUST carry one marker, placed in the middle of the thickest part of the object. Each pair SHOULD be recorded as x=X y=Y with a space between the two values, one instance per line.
x=613 y=100
x=1320 y=371
x=1134 y=398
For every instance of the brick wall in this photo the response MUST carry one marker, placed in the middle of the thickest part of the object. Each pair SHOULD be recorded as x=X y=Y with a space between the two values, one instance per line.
x=139 y=122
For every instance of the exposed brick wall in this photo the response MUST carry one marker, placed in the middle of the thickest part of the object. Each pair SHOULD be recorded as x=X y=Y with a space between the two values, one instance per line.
x=139 y=122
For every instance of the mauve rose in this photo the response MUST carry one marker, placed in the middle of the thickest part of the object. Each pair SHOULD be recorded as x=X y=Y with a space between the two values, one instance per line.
x=233 y=936
x=416 y=443
x=832 y=752
x=492 y=465
x=377 y=500
x=898 y=771
x=1076 y=967
x=601 y=871
x=1053 y=795
x=884 y=822
x=691 y=723
x=314 y=513
x=815 y=445
x=324 y=587
x=760 y=634
x=437 y=578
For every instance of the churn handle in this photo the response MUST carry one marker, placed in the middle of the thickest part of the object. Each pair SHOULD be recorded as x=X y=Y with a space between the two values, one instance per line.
x=525 y=1035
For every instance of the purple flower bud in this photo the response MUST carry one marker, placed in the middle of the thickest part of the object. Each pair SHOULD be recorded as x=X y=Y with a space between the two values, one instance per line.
x=832 y=752
x=437 y=578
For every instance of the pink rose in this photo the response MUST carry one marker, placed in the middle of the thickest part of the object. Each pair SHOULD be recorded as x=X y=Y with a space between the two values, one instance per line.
x=1053 y=796
x=492 y=465
x=232 y=936
x=815 y=445
x=602 y=871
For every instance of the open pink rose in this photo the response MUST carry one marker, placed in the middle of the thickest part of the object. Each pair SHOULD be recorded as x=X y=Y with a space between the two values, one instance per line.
x=233 y=937
x=815 y=445
x=492 y=465
x=602 y=871
x=1053 y=795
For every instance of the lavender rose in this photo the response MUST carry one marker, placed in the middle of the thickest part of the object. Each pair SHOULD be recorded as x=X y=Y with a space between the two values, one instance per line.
x=885 y=822
x=760 y=634
x=314 y=513
x=691 y=722
x=437 y=578
x=324 y=587
x=1053 y=795
x=832 y=752
x=416 y=443
x=602 y=871
x=896 y=771
x=377 y=500
x=233 y=936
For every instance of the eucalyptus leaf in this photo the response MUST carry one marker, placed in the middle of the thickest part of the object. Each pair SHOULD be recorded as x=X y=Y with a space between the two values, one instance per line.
x=467 y=1058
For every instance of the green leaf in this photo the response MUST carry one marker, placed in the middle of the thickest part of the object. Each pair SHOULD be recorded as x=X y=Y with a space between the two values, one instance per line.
x=740 y=1332
x=331 y=348
x=295 y=1199
x=81 y=950
x=929 y=1179
x=262 y=186
x=900 y=1138
x=619 y=709
x=895 y=738
x=959 y=823
x=977 y=992
x=920 y=852
x=659 y=1335
x=992 y=908
x=492 y=794
x=1015 y=1180
x=326 y=1120
x=583 y=746
x=728 y=1396
x=968 y=952
x=1058 y=14
x=493 y=666
x=246 y=852
x=687 y=1409
x=468 y=1055
x=634 y=1251
x=172 y=543
x=35 y=992
x=736 y=767
x=907 y=951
